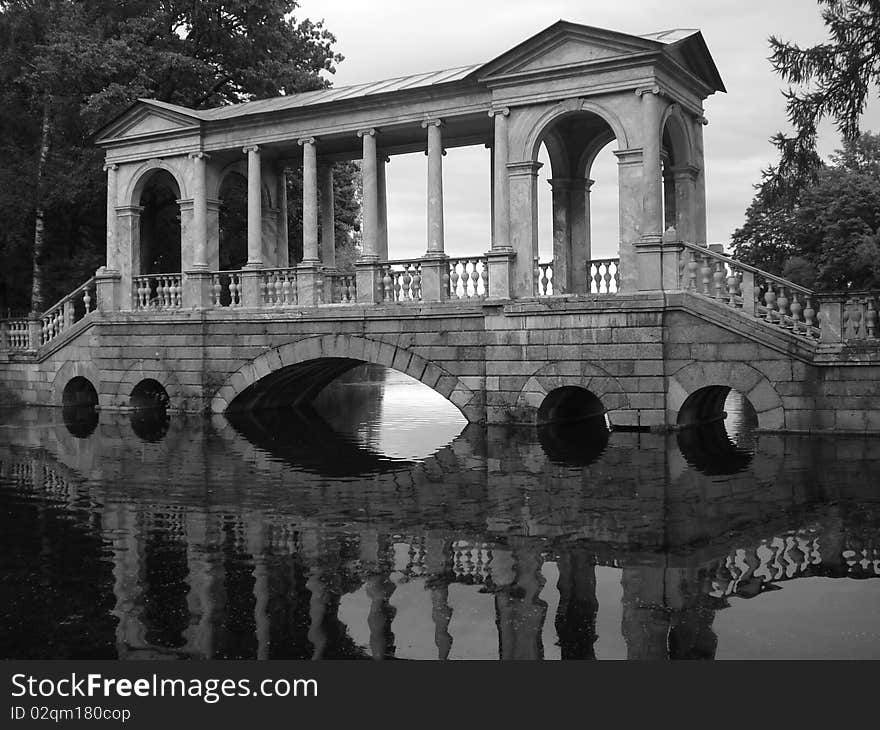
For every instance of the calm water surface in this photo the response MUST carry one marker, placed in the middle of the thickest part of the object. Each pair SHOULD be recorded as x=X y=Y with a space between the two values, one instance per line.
x=382 y=526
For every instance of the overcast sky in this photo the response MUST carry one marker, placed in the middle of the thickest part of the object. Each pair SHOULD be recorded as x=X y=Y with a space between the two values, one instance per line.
x=399 y=37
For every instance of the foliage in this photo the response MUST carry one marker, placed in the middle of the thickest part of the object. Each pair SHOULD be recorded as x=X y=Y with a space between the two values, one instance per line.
x=825 y=233
x=74 y=64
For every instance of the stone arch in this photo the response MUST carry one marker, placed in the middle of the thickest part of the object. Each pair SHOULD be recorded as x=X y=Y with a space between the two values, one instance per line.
x=239 y=167
x=585 y=375
x=588 y=157
x=673 y=122
x=351 y=347
x=563 y=109
x=749 y=381
x=142 y=174
x=149 y=370
x=75 y=369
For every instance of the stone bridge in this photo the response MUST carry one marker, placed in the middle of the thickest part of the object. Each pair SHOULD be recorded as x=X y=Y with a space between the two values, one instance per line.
x=655 y=337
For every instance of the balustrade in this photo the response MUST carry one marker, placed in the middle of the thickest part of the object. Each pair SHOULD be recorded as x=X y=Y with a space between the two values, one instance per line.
x=341 y=288
x=157 y=292
x=74 y=307
x=543 y=278
x=15 y=335
x=860 y=316
x=604 y=276
x=748 y=289
x=226 y=289
x=278 y=287
x=468 y=278
x=401 y=281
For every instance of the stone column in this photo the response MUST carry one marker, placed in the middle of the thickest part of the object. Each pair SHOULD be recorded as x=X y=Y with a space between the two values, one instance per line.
x=629 y=176
x=200 y=210
x=564 y=245
x=254 y=207
x=685 y=180
x=310 y=201
x=435 y=188
x=128 y=231
x=501 y=183
x=523 y=181
x=112 y=241
x=283 y=240
x=652 y=186
x=581 y=236
x=382 y=233
x=367 y=269
x=699 y=224
x=491 y=149
x=328 y=216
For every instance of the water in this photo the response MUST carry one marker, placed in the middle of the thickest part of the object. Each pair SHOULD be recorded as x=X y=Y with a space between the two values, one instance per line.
x=382 y=525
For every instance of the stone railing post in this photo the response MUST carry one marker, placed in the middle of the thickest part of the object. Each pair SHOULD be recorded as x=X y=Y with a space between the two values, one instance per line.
x=4 y=338
x=369 y=282
x=198 y=292
x=108 y=288
x=671 y=255
x=435 y=279
x=500 y=272
x=309 y=284
x=649 y=262
x=35 y=327
x=747 y=291
x=831 y=317
x=251 y=296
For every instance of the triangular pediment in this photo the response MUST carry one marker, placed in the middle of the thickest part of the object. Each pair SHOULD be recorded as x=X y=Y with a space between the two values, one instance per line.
x=565 y=45
x=147 y=118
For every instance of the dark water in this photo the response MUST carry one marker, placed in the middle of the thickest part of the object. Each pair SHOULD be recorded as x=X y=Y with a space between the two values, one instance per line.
x=382 y=526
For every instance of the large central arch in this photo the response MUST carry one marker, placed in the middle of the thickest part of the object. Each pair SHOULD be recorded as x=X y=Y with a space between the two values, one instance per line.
x=329 y=356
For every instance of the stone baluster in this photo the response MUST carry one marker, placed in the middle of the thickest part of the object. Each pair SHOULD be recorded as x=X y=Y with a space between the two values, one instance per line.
x=782 y=304
x=796 y=309
x=871 y=318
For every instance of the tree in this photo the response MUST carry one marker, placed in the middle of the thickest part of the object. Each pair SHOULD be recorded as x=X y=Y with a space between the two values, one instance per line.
x=824 y=233
x=66 y=66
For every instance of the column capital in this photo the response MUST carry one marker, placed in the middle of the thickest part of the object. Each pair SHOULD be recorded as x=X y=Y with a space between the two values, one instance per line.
x=129 y=209
x=111 y=166
x=685 y=172
x=251 y=148
x=653 y=89
x=432 y=123
x=570 y=184
x=529 y=167
x=199 y=156
x=369 y=132
x=702 y=120
x=302 y=141
x=501 y=111
x=632 y=156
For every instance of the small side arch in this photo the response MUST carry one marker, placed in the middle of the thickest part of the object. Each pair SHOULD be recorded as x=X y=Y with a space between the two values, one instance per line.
x=75 y=369
x=674 y=123
x=149 y=370
x=349 y=347
x=739 y=376
x=142 y=174
x=239 y=167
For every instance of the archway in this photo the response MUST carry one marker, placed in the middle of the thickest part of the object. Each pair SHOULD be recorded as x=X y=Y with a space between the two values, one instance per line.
x=233 y=222
x=160 y=242
x=149 y=417
x=572 y=426
x=79 y=401
x=577 y=165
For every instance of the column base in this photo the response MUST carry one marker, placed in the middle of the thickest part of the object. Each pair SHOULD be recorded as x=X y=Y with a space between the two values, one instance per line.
x=198 y=292
x=501 y=261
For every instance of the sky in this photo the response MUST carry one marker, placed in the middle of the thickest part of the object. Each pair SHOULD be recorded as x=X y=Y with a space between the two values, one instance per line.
x=394 y=38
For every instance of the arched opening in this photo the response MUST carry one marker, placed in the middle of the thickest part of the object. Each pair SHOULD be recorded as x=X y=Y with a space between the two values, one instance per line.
x=572 y=426
x=362 y=407
x=159 y=225
x=578 y=216
x=149 y=417
x=717 y=433
x=79 y=401
x=233 y=223
x=679 y=179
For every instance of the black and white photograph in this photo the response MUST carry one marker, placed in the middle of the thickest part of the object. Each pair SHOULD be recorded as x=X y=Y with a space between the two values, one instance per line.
x=504 y=330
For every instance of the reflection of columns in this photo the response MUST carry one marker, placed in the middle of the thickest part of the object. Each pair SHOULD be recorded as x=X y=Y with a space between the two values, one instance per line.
x=328 y=215
x=370 y=197
x=382 y=233
x=317 y=608
x=523 y=207
x=254 y=207
x=578 y=606
x=310 y=201
x=205 y=579
x=438 y=564
x=435 y=187
x=378 y=587
x=520 y=611
x=645 y=623
x=652 y=192
x=112 y=241
x=699 y=224
x=200 y=211
x=283 y=245
x=255 y=546
x=121 y=527
x=500 y=182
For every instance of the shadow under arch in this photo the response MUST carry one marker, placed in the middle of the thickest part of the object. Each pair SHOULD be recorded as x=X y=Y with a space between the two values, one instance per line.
x=704 y=440
x=79 y=401
x=149 y=416
x=572 y=426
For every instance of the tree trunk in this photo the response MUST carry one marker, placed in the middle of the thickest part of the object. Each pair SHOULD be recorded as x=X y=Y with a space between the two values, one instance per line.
x=39 y=228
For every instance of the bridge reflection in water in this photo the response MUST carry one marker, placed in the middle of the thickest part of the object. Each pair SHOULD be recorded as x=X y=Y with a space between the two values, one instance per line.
x=293 y=535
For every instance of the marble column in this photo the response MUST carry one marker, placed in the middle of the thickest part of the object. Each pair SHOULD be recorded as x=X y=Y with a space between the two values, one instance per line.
x=435 y=188
x=685 y=181
x=652 y=186
x=328 y=216
x=200 y=211
x=310 y=201
x=500 y=182
x=629 y=175
x=112 y=241
x=382 y=233
x=699 y=225
x=283 y=240
x=370 y=199
x=254 y=207
x=523 y=180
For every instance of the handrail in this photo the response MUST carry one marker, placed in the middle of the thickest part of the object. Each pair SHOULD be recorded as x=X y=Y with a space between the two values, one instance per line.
x=88 y=284
x=704 y=250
